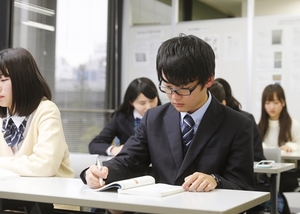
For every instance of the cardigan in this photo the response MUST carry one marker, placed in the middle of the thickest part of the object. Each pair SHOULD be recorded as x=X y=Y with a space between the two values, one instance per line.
x=44 y=151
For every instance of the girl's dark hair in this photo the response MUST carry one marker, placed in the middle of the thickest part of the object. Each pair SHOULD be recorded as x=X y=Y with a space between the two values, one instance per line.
x=285 y=121
x=184 y=59
x=230 y=100
x=28 y=85
x=136 y=87
x=218 y=91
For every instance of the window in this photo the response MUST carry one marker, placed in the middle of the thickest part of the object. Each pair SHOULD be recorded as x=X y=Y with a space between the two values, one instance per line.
x=68 y=40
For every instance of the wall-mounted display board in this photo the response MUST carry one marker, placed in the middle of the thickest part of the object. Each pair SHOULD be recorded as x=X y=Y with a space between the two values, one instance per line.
x=140 y=55
x=276 y=59
x=276 y=55
x=228 y=38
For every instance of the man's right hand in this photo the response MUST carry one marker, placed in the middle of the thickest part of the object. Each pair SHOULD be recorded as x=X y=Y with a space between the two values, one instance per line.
x=93 y=175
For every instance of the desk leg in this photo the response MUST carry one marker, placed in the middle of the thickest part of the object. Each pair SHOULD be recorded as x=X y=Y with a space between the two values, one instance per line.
x=274 y=193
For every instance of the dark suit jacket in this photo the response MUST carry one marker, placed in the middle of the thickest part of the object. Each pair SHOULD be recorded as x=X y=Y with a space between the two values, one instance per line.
x=257 y=141
x=222 y=145
x=120 y=126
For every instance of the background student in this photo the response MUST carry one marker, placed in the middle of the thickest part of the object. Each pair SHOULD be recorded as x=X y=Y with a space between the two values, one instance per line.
x=262 y=180
x=33 y=142
x=193 y=140
x=222 y=91
x=276 y=126
x=141 y=95
x=278 y=129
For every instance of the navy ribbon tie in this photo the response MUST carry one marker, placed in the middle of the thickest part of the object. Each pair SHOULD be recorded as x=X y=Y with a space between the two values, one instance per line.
x=188 y=132
x=137 y=122
x=13 y=135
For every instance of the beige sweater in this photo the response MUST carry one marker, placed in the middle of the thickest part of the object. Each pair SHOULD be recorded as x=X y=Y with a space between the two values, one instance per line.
x=44 y=151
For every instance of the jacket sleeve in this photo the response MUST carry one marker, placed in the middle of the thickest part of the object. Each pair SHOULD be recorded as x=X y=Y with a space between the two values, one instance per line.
x=82 y=176
x=257 y=142
x=103 y=141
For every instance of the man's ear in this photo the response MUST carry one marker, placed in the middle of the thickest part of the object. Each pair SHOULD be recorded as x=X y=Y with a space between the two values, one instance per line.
x=210 y=81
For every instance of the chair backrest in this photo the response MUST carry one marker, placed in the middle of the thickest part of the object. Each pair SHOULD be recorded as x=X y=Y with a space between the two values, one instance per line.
x=80 y=161
x=273 y=154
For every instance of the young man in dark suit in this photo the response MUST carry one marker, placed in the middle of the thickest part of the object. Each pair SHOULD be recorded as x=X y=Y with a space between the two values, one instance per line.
x=219 y=153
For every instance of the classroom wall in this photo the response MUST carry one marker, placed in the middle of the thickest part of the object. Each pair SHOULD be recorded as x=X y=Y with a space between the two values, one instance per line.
x=276 y=59
x=275 y=42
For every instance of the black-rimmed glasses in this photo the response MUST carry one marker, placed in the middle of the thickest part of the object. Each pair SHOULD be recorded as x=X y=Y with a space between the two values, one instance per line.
x=179 y=91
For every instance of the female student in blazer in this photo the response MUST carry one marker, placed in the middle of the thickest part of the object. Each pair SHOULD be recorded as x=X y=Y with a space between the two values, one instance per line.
x=33 y=142
x=140 y=95
x=276 y=126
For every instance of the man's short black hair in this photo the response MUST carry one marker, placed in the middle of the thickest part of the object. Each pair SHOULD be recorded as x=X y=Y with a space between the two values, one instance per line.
x=184 y=59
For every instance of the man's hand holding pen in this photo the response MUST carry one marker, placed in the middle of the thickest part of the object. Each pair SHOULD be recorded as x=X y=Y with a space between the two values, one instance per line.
x=95 y=175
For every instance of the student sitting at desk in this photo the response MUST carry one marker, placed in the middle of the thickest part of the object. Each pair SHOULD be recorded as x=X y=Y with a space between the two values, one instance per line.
x=140 y=95
x=32 y=141
x=278 y=129
x=276 y=126
x=193 y=140
x=222 y=91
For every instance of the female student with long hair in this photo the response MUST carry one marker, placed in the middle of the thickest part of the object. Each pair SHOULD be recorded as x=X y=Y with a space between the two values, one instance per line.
x=276 y=126
x=32 y=141
x=140 y=95
x=278 y=129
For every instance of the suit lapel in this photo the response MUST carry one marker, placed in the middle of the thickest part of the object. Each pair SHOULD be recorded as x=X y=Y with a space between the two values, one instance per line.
x=172 y=124
x=208 y=126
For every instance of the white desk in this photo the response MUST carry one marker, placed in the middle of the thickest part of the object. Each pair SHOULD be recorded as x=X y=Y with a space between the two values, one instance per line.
x=72 y=191
x=290 y=155
x=275 y=170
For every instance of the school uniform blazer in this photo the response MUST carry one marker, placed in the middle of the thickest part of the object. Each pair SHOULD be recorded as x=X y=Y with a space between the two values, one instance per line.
x=222 y=145
x=120 y=126
x=257 y=141
x=44 y=151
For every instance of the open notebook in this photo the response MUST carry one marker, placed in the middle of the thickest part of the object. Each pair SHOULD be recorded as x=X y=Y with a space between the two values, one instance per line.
x=144 y=185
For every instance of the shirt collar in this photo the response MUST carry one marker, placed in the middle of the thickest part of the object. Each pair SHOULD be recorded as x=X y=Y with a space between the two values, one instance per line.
x=198 y=114
x=17 y=120
x=136 y=114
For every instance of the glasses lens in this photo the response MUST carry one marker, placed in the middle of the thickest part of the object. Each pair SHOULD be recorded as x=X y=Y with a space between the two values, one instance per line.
x=183 y=92
x=165 y=90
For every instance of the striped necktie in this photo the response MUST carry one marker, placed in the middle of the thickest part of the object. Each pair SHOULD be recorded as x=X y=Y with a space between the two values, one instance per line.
x=188 y=132
x=137 y=122
x=13 y=135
